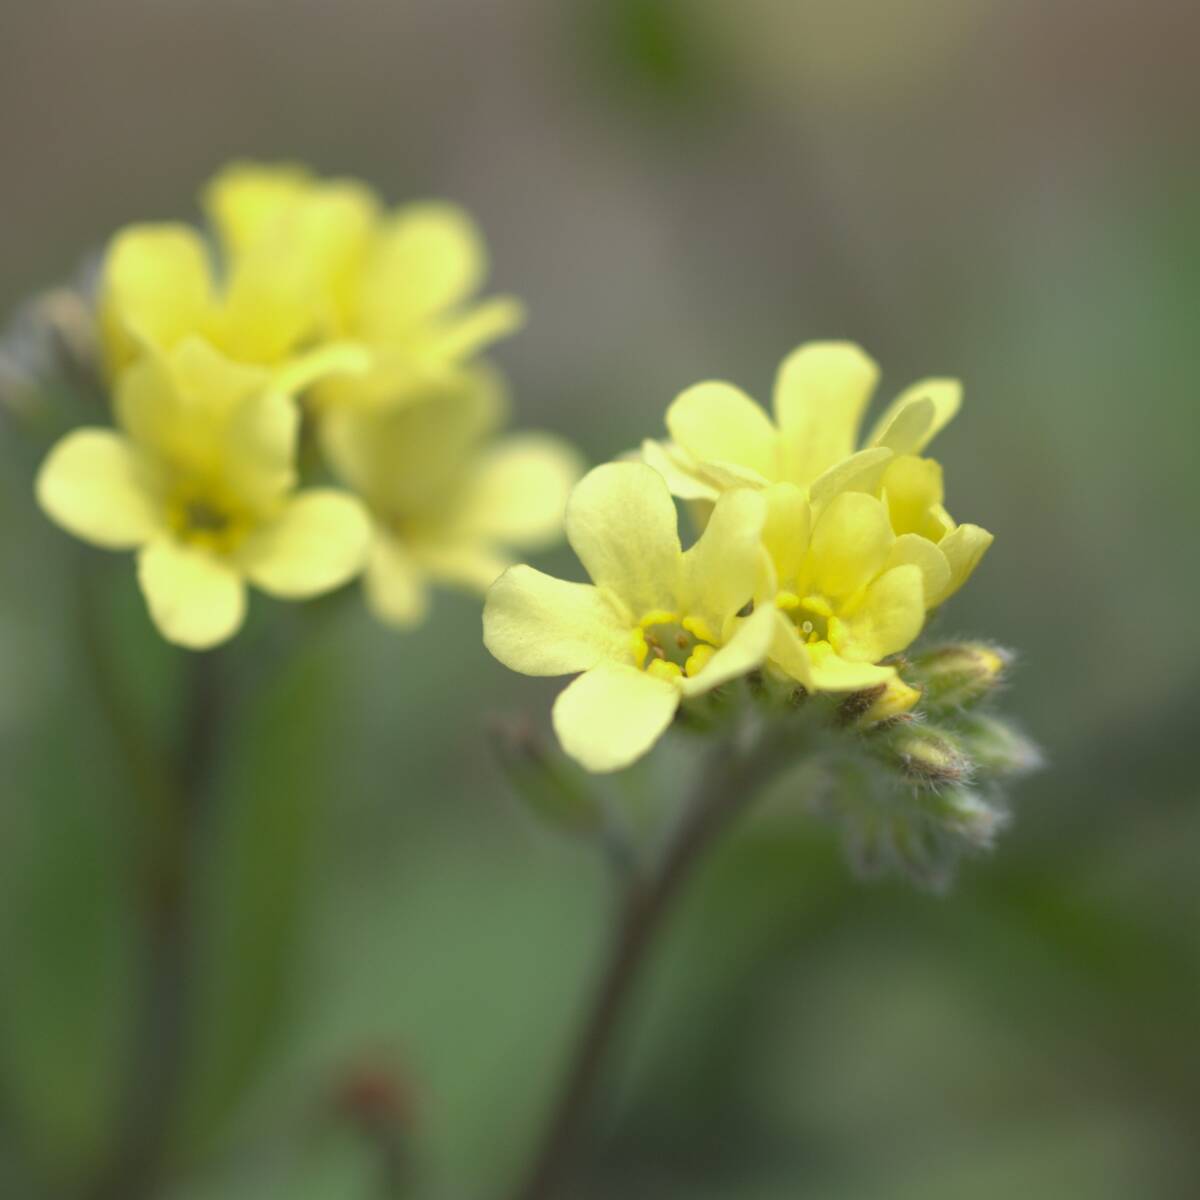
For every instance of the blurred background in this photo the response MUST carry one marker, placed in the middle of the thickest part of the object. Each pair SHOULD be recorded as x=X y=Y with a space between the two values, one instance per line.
x=393 y=955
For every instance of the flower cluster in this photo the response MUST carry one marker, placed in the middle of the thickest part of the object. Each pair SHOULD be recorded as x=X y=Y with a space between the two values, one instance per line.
x=817 y=565
x=310 y=317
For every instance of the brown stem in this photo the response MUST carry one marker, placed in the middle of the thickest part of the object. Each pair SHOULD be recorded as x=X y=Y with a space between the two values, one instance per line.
x=734 y=780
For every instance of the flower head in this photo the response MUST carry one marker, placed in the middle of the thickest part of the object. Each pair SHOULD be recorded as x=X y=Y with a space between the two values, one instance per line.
x=656 y=625
x=200 y=479
x=448 y=499
x=721 y=439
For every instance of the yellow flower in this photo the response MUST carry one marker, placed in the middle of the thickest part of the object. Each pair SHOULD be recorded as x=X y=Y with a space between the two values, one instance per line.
x=656 y=625
x=200 y=479
x=292 y=249
x=721 y=439
x=848 y=590
x=412 y=306
x=446 y=497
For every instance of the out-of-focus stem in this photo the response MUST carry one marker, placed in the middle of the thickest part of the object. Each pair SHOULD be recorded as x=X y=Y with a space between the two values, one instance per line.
x=734 y=779
x=171 y=790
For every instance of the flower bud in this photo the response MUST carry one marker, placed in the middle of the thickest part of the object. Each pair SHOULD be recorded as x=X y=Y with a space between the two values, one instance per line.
x=928 y=756
x=997 y=748
x=967 y=815
x=959 y=674
x=883 y=703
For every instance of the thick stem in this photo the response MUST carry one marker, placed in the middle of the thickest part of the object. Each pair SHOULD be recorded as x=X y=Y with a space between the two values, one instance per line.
x=733 y=781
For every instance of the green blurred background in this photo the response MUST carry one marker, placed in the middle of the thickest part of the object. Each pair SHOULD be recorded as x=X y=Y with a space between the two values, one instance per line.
x=1003 y=190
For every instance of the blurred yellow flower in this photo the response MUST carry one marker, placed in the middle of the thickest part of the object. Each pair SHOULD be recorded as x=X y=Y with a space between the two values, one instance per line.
x=656 y=625
x=201 y=480
x=292 y=250
x=721 y=439
x=448 y=499
x=412 y=306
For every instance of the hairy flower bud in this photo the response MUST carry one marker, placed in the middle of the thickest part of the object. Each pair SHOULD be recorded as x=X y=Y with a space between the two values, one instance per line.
x=883 y=703
x=969 y=816
x=927 y=755
x=959 y=674
x=996 y=748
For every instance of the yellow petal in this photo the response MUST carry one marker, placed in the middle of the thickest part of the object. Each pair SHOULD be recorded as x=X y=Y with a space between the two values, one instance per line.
x=821 y=392
x=96 y=485
x=913 y=488
x=317 y=543
x=718 y=423
x=861 y=472
x=244 y=198
x=428 y=258
x=917 y=415
x=889 y=619
x=831 y=673
x=394 y=583
x=463 y=335
x=744 y=652
x=850 y=543
x=156 y=288
x=408 y=460
x=518 y=490
x=539 y=625
x=787 y=529
x=963 y=548
x=922 y=553
x=789 y=653
x=721 y=570
x=196 y=599
x=622 y=524
x=610 y=716
x=678 y=469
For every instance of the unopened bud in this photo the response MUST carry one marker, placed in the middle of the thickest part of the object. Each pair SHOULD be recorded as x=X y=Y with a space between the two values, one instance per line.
x=927 y=755
x=553 y=789
x=885 y=702
x=959 y=674
x=967 y=815
x=997 y=748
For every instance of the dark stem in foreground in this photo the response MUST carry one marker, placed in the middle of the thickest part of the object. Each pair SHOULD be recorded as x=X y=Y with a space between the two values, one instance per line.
x=734 y=779
x=171 y=790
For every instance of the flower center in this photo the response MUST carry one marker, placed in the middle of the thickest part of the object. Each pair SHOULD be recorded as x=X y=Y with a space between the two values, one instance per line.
x=813 y=616
x=200 y=521
x=669 y=645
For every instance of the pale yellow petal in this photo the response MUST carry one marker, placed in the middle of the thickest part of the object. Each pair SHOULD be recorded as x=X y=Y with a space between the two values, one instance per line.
x=913 y=490
x=909 y=424
x=861 y=472
x=196 y=599
x=621 y=522
x=922 y=553
x=156 y=288
x=718 y=423
x=831 y=673
x=518 y=490
x=744 y=652
x=427 y=258
x=394 y=583
x=318 y=542
x=245 y=198
x=964 y=547
x=787 y=529
x=96 y=485
x=821 y=392
x=460 y=336
x=721 y=570
x=888 y=620
x=473 y=565
x=850 y=543
x=539 y=625
x=678 y=469
x=610 y=716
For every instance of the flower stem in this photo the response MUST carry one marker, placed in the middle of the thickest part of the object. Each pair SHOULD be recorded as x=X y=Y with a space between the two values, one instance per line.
x=171 y=790
x=736 y=776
